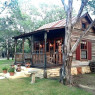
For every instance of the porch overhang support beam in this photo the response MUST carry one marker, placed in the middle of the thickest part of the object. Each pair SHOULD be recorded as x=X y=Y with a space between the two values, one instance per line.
x=32 y=48
x=45 y=59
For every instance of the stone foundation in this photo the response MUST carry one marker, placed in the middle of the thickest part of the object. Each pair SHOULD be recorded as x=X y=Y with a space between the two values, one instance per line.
x=52 y=72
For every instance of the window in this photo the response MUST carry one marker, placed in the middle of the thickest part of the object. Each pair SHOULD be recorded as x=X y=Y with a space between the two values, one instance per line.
x=83 y=25
x=83 y=50
x=52 y=46
x=41 y=46
x=83 y=54
x=36 y=47
x=47 y=48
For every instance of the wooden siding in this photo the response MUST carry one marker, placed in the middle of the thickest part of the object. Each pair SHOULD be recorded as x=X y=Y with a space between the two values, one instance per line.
x=89 y=36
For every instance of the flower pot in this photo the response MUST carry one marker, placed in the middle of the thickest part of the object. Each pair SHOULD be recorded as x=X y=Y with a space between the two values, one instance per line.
x=18 y=69
x=4 y=71
x=27 y=65
x=11 y=73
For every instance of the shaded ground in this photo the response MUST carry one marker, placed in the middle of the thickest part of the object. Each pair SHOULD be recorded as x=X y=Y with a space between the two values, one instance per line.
x=87 y=80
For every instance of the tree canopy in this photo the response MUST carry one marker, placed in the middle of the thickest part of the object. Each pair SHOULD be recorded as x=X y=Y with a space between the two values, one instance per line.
x=91 y=6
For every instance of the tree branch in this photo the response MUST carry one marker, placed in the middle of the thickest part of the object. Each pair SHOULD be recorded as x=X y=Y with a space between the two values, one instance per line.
x=83 y=4
x=2 y=10
x=5 y=5
x=65 y=6
x=81 y=36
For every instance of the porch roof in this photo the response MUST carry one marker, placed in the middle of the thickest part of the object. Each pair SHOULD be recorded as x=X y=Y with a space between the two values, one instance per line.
x=54 y=25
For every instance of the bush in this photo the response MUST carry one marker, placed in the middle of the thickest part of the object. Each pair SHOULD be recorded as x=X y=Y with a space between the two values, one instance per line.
x=4 y=68
x=92 y=66
x=11 y=70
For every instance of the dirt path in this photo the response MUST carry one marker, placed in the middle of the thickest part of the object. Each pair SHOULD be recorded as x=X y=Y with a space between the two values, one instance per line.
x=85 y=81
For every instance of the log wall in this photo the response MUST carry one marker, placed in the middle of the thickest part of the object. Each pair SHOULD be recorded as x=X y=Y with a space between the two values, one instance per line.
x=89 y=36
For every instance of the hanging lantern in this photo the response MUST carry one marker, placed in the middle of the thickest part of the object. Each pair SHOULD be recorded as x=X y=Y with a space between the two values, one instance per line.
x=41 y=46
x=51 y=45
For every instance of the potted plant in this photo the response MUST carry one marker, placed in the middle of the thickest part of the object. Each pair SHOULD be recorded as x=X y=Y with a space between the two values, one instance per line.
x=4 y=70
x=11 y=71
x=18 y=68
x=27 y=65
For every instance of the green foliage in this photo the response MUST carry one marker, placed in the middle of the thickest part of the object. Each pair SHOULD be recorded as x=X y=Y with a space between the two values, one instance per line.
x=11 y=69
x=4 y=68
x=8 y=28
x=50 y=13
x=91 y=6
x=26 y=46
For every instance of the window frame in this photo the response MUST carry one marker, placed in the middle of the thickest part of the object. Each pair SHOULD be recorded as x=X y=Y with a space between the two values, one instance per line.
x=84 y=50
x=89 y=51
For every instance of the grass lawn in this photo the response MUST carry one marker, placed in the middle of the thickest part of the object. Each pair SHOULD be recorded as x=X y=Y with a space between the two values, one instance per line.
x=41 y=87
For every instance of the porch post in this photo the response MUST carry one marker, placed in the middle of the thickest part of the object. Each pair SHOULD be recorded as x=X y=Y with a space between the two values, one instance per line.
x=45 y=59
x=23 y=49
x=15 y=49
x=32 y=48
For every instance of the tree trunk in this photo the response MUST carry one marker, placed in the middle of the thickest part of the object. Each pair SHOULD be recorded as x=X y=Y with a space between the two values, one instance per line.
x=12 y=53
x=67 y=59
x=7 y=44
x=68 y=71
x=65 y=71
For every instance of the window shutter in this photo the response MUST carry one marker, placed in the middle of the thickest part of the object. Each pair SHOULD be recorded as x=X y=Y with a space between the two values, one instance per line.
x=89 y=50
x=78 y=52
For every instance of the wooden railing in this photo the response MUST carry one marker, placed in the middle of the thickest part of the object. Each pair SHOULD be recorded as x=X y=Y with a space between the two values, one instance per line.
x=19 y=57
x=38 y=58
x=53 y=59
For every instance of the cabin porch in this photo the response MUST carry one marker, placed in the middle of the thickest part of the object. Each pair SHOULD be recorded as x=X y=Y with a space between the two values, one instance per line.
x=45 y=48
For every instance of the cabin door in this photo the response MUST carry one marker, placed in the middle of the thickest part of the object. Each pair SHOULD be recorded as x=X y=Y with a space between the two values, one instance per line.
x=58 y=51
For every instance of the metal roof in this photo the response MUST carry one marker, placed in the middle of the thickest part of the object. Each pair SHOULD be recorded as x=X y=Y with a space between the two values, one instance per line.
x=56 y=24
x=61 y=23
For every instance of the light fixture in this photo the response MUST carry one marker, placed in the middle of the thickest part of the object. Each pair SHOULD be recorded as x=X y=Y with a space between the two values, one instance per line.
x=41 y=46
x=51 y=45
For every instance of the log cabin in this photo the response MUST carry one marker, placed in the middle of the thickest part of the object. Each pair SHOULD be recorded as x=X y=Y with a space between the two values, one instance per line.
x=46 y=46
